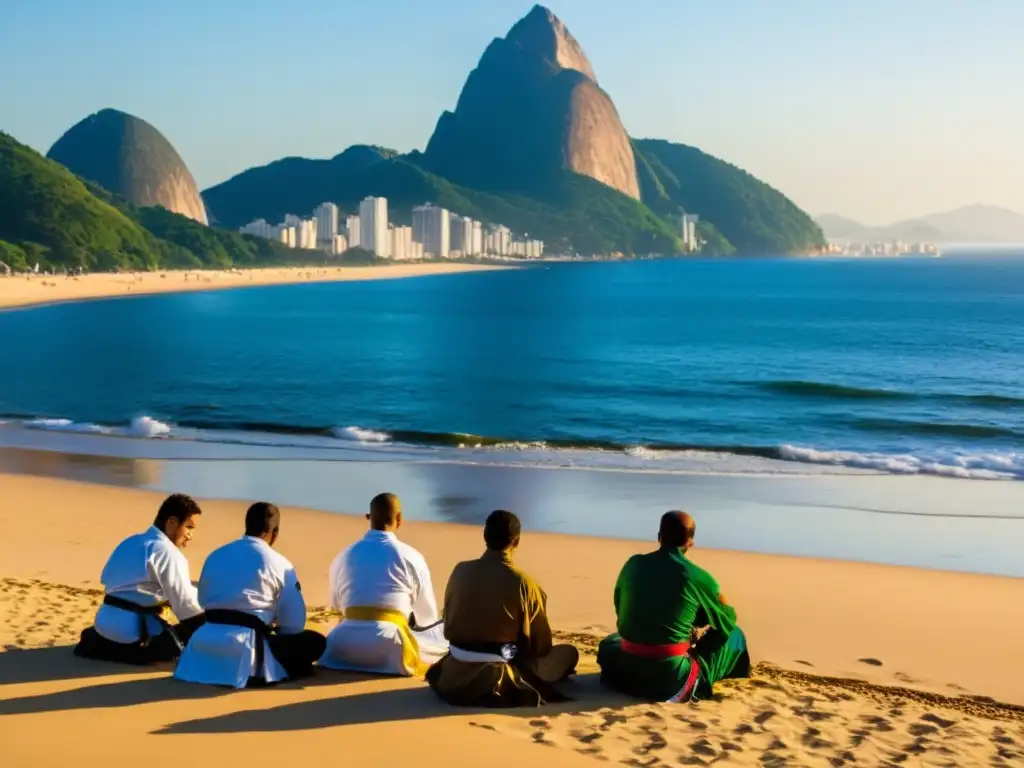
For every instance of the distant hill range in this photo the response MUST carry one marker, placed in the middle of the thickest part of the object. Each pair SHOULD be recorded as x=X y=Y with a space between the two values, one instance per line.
x=536 y=144
x=50 y=217
x=975 y=224
x=533 y=143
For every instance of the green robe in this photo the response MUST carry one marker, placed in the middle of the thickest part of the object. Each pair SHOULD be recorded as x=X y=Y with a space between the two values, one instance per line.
x=660 y=597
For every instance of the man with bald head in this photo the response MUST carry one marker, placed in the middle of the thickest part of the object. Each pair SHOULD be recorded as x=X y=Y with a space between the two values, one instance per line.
x=662 y=603
x=390 y=623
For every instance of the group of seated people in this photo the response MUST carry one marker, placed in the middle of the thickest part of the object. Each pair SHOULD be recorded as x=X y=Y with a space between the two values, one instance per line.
x=244 y=623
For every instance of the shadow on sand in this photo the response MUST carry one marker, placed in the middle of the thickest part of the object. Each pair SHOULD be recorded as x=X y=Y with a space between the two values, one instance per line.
x=56 y=664
x=378 y=707
x=41 y=665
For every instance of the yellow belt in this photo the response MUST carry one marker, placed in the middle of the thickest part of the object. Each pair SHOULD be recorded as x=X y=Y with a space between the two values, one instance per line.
x=410 y=648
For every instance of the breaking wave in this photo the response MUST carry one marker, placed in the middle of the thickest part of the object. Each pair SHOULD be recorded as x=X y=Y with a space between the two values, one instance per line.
x=333 y=442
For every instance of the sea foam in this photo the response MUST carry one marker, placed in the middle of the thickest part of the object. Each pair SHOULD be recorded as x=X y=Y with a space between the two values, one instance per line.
x=981 y=466
x=361 y=435
x=140 y=426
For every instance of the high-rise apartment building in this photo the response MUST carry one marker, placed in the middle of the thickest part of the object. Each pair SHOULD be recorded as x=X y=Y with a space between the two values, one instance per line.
x=689 y=231
x=352 y=230
x=431 y=226
x=477 y=242
x=461 y=234
x=373 y=226
x=326 y=215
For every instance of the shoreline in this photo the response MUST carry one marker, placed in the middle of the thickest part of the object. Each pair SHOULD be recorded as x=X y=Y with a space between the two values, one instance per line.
x=23 y=292
x=851 y=659
x=931 y=523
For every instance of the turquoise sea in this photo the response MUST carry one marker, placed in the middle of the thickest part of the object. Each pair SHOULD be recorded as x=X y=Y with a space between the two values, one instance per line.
x=670 y=375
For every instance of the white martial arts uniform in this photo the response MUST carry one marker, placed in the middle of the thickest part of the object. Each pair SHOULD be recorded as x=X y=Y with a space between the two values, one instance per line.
x=246 y=575
x=146 y=569
x=379 y=571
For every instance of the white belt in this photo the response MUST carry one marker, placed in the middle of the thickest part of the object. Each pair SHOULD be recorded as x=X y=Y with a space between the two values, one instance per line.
x=475 y=657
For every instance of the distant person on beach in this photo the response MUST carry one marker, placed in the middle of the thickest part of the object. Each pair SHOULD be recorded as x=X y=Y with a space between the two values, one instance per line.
x=145 y=574
x=382 y=586
x=255 y=613
x=662 y=601
x=501 y=652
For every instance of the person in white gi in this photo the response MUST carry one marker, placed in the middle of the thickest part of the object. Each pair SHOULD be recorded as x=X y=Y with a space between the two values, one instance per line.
x=255 y=613
x=390 y=623
x=147 y=573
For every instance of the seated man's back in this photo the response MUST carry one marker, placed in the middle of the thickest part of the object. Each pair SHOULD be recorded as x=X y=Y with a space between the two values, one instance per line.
x=660 y=599
x=255 y=613
x=382 y=587
x=146 y=573
x=501 y=651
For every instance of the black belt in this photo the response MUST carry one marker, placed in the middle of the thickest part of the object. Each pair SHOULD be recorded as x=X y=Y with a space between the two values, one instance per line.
x=142 y=611
x=232 y=618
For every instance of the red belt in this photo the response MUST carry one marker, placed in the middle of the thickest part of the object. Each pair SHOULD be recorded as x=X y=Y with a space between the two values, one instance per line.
x=670 y=651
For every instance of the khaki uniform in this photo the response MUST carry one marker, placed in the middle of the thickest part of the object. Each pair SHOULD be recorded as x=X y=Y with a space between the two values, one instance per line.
x=488 y=603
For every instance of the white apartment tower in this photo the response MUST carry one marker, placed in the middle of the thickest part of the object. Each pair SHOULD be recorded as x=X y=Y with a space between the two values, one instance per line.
x=689 y=231
x=373 y=226
x=461 y=234
x=477 y=246
x=352 y=232
x=326 y=215
x=431 y=226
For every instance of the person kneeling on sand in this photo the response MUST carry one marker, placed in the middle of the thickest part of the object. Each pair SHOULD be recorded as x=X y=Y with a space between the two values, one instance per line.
x=255 y=613
x=501 y=652
x=146 y=574
x=390 y=623
x=661 y=601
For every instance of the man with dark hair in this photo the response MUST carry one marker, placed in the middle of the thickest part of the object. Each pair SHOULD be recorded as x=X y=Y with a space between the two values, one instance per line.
x=255 y=613
x=663 y=602
x=390 y=623
x=146 y=574
x=501 y=652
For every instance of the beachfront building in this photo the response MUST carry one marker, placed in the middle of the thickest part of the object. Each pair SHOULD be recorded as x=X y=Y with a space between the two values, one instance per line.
x=352 y=232
x=403 y=247
x=689 y=232
x=261 y=228
x=431 y=227
x=477 y=240
x=326 y=215
x=461 y=234
x=498 y=241
x=339 y=246
x=373 y=226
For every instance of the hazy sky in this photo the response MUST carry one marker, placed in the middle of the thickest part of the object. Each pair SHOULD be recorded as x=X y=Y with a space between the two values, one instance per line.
x=877 y=109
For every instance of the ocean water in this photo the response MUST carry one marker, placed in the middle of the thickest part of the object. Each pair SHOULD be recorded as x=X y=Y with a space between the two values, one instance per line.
x=788 y=366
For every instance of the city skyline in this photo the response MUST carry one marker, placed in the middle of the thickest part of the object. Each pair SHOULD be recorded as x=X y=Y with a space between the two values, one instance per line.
x=875 y=112
x=435 y=233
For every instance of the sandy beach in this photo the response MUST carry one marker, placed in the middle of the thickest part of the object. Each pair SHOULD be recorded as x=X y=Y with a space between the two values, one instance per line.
x=857 y=664
x=23 y=291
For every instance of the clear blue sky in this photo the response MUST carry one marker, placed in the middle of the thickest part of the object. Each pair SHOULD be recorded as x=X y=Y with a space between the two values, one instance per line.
x=877 y=109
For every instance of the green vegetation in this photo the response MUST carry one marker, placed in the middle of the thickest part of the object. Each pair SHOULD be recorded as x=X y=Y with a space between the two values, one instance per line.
x=753 y=217
x=572 y=213
x=50 y=217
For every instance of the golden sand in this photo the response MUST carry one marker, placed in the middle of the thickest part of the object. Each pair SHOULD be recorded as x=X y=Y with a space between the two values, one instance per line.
x=857 y=664
x=22 y=291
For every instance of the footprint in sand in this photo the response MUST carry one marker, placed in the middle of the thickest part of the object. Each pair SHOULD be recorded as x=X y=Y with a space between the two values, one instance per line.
x=812 y=738
x=763 y=717
x=921 y=729
x=939 y=721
